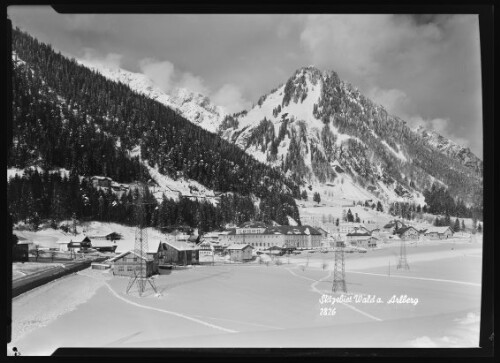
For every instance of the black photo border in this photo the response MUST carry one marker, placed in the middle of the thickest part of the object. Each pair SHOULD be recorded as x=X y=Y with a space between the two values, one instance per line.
x=484 y=9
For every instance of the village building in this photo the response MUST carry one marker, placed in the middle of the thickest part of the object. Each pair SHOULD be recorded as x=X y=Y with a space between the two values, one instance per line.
x=112 y=236
x=240 y=252
x=101 y=181
x=282 y=236
x=129 y=263
x=323 y=232
x=117 y=187
x=20 y=251
x=177 y=253
x=211 y=236
x=351 y=227
x=366 y=242
x=77 y=243
x=407 y=233
x=206 y=251
x=439 y=233
x=151 y=251
x=393 y=225
x=361 y=240
x=104 y=245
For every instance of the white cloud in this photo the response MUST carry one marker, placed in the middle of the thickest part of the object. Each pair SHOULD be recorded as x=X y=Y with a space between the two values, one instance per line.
x=230 y=97
x=110 y=60
x=471 y=318
x=193 y=83
x=363 y=45
x=168 y=78
x=393 y=100
x=422 y=342
x=160 y=72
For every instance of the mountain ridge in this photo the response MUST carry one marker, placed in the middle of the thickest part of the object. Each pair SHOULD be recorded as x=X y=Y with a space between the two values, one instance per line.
x=315 y=119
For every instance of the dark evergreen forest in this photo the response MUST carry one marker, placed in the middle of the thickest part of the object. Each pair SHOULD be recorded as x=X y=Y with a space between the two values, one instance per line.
x=67 y=116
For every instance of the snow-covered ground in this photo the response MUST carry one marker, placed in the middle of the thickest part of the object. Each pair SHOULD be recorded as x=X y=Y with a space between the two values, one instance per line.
x=255 y=305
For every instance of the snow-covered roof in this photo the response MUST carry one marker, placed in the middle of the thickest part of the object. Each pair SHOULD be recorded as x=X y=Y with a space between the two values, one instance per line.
x=404 y=229
x=439 y=230
x=129 y=244
x=238 y=246
x=212 y=235
x=180 y=245
x=253 y=224
x=358 y=234
x=135 y=252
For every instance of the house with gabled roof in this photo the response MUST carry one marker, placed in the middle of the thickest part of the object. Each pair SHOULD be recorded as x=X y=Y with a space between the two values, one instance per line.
x=407 y=233
x=130 y=262
x=177 y=253
x=439 y=232
x=75 y=243
x=240 y=252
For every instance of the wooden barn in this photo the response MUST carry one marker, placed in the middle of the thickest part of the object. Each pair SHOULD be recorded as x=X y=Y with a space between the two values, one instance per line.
x=177 y=253
x=126 y=263
x=240 y=252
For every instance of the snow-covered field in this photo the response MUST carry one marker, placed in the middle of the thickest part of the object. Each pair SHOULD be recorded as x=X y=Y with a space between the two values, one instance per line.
x=255 y=305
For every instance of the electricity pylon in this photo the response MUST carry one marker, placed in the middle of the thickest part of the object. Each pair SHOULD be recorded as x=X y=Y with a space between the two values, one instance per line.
x=339 y=271
x=403 y=262
x=140 y=276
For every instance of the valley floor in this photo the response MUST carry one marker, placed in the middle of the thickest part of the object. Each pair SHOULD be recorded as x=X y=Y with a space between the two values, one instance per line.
x=255 y=305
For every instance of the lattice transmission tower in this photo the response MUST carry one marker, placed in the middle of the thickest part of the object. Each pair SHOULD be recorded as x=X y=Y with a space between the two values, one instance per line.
x=403 y=262
x=339 y=271
x=140 y=276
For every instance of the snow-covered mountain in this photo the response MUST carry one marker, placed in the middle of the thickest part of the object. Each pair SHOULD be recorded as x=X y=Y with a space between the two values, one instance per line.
x=323 y=131
x=194 y=106
x=451 y=148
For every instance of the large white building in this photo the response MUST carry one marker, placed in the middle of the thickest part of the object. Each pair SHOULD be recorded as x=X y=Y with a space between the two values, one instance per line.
x=260 y=236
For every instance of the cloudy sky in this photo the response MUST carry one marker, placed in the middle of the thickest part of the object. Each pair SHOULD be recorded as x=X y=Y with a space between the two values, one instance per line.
x=424 y=69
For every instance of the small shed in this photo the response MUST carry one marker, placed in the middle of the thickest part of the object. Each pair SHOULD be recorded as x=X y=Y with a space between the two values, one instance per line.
x=240 y=252
x=20 y=251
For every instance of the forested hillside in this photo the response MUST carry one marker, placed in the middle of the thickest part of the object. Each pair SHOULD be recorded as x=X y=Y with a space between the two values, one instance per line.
x=67 y=116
